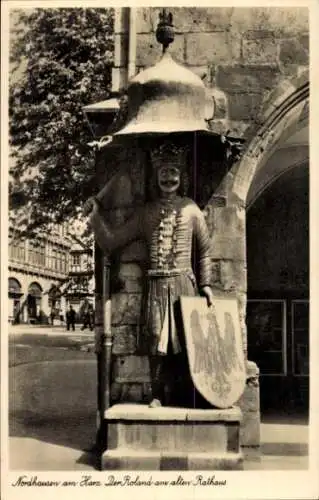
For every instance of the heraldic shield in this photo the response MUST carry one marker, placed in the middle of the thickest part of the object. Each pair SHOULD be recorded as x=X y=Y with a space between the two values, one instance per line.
x=214 y=349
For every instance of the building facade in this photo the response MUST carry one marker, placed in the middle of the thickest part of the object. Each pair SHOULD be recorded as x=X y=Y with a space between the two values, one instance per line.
x=254 y=62
x=46 y=275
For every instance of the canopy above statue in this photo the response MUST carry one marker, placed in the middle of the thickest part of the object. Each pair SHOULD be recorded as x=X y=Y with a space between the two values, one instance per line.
x=167 y=98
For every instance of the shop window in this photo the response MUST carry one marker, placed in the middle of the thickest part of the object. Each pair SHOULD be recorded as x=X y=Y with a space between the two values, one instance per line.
x=300 y=336
x=267 y=340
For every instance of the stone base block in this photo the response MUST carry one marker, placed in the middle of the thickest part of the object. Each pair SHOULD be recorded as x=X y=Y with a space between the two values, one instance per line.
x=155 y=460
x=139 y=437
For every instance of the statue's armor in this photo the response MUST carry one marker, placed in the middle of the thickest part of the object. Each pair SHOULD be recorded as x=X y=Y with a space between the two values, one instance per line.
x=168 y=229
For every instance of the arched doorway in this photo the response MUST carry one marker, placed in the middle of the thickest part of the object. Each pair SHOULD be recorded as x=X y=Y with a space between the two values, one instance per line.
x=14 y=294
x=55 y=303
x=278 y=289
x=34 y=302
x=272 y=171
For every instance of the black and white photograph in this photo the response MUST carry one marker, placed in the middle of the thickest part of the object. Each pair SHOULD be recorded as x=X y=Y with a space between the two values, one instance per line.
x=157 y=215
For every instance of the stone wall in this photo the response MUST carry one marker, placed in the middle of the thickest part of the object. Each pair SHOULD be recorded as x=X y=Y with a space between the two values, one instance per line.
x=246 y=57
x=243 y=52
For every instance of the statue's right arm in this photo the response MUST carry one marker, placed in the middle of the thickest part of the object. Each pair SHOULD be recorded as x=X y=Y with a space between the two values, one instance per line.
x=110 y=238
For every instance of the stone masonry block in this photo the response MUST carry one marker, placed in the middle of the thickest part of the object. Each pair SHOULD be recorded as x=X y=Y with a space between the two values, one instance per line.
x=195 y=19
x=281 y=20
x=120 y=50
x=126 y=308
x=243 y=106
x=242 y=301
x=121 y=20
x=124 y=339
x=249 y=404
x=216 y=275
x=250 y=399
x=132 y=276
x=228 y=233
x=202 y=71
x=259 y=34
x=132 y=393
x=143 y=20
x=250 y=430
x=220 y=101
x=274 y=98
x=116 y=391
x=233 y=275
x=131 y=369
x=304 y=41
x=247 y=78
x=148 y=50
x=136 y=252
x=292 y=52
x=217 y=47
x=260 y=51
x=119 y=79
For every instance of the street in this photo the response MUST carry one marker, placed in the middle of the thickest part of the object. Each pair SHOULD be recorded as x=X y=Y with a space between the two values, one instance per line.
x=52 y=407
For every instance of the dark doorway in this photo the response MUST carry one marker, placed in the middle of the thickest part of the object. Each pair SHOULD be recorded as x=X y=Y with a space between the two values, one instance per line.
x=278 y=291
x=34 y=303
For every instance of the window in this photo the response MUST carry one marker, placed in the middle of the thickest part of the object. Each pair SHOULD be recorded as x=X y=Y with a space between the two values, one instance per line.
x=17 y=250
x=267 y=343
x=76 y=260
x=75 y=263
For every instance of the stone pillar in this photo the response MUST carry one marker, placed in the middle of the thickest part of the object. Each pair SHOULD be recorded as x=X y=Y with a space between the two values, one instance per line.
x=130 y=381
x=227 y=225
x=250 y=406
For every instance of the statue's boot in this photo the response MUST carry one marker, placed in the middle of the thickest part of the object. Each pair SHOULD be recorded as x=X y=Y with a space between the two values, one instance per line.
x=157 y=380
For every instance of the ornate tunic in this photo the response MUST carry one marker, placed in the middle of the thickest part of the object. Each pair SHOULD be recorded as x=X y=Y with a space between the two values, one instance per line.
x=169 y=230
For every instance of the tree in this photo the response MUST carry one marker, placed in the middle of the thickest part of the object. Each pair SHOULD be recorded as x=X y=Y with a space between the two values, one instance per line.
x=66 y=56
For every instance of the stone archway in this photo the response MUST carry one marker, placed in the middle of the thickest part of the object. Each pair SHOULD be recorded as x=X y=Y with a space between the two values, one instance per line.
x=278 y=150
x=14 y=295
x=284 y=113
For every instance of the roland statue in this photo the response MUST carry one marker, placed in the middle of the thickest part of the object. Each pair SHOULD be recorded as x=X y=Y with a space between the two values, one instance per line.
x=175 y=233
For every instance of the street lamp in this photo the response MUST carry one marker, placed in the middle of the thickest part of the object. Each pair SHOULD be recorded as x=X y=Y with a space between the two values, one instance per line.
x=100 y=116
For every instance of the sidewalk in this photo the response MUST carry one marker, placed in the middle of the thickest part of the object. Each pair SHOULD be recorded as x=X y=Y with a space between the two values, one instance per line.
x=48 y=330
x=284 y=447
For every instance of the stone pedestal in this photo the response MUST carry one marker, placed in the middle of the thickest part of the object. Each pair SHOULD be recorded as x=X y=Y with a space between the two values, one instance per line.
x=143 y=438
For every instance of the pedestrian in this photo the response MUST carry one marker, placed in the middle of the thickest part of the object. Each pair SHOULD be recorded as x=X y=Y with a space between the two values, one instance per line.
x=70 y=319
x=91 y=313
x=86 y=319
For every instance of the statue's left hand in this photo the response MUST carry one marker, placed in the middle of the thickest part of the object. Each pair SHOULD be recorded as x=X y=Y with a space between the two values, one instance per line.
x=208 y=293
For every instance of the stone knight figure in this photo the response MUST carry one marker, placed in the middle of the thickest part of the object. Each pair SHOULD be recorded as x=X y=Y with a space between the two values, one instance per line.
x=172 y=226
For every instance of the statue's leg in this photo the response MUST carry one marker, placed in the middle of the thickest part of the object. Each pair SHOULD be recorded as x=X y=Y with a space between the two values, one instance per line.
x=157 y=379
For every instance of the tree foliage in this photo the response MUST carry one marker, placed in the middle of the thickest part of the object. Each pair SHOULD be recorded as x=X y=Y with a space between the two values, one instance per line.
x=66 y=56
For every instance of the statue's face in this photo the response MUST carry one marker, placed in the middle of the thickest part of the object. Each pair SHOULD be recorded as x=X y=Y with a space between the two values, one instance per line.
x=169 y=179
